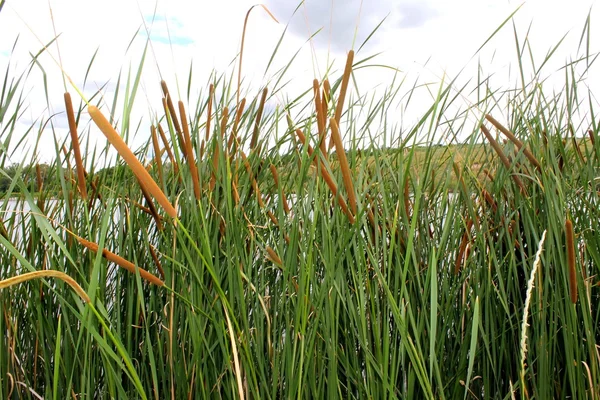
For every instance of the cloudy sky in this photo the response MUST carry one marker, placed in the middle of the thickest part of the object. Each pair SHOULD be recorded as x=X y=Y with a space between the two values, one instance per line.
x=429 y=40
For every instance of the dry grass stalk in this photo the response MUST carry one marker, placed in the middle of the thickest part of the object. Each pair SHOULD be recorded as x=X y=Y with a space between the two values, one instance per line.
x=161 y=271
x=502 y=156
x=515 y=140
x=136 y=166
x=286 y=206
x=49 y=273
x=157 y=155
x=75 y=145
x=344 y=166
x=121 y=262
x=258 y=119
x=190 y=151
x=591 y=135
x=326 y=177
x=571 y=264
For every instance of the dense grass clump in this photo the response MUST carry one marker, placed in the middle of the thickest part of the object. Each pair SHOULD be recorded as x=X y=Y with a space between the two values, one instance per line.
x=230 y=264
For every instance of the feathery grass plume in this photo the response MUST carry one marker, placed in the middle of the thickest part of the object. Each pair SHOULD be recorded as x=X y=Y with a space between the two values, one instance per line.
x=286 y=206
x=345 y=167
x=120 y=261
x=502 y=157
x=320 y=116
x=190 y=151
x=339 y=107
x=258 y=119
x=157 y=155
x=163 y=137
x=215 y=160
x=48 y=273
x=326 y=177
x=75 y=145
x=154 y=256
x=136 y=166
x=528 y=293
x=515 y=140
x=571 y=260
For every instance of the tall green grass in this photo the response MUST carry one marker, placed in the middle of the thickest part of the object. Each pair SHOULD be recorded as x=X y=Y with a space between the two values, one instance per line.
x=295 y=271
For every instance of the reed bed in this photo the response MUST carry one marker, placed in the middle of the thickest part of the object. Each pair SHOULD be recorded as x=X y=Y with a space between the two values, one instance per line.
x=247 y=261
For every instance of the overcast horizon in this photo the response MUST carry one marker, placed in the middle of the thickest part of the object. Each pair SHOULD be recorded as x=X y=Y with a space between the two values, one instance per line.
x=428 y=41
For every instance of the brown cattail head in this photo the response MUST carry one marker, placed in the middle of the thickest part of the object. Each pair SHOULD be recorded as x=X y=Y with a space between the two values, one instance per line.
x=571 y=262
x=190 y=151
x=326 y=177
x=120 y=261
x=502 y=156
x=339 y=108
x=136 y=166
x=320 y=117
x=345 y=167
x=514 y=139
x=157 y=155
x=75 y=145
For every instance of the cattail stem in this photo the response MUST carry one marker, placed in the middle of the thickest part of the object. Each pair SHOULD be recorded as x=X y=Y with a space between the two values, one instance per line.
x=136 y=166
x=570 y=238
